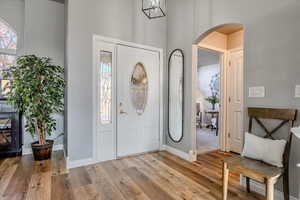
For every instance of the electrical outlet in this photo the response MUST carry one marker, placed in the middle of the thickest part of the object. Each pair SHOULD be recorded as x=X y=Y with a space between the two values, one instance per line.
x=257 y=92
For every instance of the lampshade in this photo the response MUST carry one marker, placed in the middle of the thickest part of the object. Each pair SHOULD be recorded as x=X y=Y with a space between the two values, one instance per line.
x=154 y=8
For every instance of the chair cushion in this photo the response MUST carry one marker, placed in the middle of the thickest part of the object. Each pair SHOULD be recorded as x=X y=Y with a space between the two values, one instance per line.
x=267 y=150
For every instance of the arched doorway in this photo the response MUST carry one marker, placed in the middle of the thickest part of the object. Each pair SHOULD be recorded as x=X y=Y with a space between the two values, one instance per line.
x=224 y=106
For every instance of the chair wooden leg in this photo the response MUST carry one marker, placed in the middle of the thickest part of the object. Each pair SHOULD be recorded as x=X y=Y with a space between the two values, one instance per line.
x=225 y=181
x=270 y=189
x=248 y=184
x=286 y=190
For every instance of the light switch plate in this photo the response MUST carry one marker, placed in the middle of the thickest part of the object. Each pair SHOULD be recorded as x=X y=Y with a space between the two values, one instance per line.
x=297 y=91
x=257 y=92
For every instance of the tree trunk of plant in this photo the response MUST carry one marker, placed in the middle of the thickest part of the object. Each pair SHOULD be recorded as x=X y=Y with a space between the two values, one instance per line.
x=42 y=137
x=39 y=128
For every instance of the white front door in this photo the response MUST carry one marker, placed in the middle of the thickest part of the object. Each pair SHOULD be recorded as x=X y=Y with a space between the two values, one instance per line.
x=235 y=101
x=138 y=89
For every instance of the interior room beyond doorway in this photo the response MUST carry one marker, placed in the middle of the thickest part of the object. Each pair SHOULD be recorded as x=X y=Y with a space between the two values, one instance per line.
x=208 y=95
x=219 y=91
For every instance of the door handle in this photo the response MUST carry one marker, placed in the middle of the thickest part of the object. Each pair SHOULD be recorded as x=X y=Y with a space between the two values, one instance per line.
x=122 y=112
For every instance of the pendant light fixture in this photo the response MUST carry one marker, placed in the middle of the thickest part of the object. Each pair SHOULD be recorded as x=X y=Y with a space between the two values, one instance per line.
x=154 y=8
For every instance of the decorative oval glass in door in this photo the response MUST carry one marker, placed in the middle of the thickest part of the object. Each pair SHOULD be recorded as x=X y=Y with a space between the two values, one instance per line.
x=176 y=74
x=139 y=88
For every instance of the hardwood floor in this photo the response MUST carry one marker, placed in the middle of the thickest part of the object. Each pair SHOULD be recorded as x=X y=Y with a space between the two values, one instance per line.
x=153 y=176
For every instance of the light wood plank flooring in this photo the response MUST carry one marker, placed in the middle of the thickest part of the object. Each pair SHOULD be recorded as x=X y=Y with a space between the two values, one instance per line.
x=153 y=176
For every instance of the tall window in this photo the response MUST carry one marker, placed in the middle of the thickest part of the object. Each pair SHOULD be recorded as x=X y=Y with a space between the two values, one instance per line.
x=8 y=49
x=105 y=74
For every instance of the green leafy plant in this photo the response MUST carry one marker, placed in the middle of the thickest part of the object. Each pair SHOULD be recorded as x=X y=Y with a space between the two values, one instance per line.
x=212 y=99
x=36 y=89
x=214 y=88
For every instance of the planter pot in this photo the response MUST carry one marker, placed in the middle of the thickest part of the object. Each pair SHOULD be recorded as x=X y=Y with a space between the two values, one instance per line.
x=42 y=152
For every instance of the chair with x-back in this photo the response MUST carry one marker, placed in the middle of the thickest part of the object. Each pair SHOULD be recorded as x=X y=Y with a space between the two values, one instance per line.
x=258 y=170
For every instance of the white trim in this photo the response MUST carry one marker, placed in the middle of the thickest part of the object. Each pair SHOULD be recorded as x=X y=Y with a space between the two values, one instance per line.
x=194 y=98
x=161 y=97
x=125 y=43
x=28 y=150
x=223 y=110
x=224 y=57
x=261 y=189
x=11 y=52
x=186 y=156
x=79 y=163
x=130 y=44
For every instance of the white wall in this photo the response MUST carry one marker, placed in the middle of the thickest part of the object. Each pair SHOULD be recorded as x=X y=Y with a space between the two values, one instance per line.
x=40 y=28
x=121 y=19
x=205 y=74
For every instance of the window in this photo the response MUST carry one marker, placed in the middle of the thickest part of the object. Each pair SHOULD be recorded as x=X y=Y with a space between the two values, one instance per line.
x=105 y=74
x=8 y=48
x=139 y=88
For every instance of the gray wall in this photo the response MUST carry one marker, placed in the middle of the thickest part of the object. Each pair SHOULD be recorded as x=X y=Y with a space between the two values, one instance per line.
x=272 y=49
x=40 y=28
x=121 y=19
x=180 y=28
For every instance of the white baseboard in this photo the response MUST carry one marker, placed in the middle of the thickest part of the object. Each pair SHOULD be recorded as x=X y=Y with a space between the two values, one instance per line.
x=79 y=163
x=28 y=151
x=260 y=188
x=186 y=156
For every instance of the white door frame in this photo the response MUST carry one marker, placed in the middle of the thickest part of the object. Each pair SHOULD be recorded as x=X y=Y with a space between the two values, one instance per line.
x=223 y=136
x=223 y=108
x=98 y=38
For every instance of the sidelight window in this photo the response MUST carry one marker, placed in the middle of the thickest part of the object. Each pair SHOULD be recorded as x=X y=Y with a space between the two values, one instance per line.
x=105 y=74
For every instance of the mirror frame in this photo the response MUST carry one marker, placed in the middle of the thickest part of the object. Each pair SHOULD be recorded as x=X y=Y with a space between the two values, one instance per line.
x=169 y=61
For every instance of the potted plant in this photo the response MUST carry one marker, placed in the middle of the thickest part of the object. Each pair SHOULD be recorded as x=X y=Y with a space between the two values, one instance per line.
x=213 y=100
x=36 y=89
x=214 y=88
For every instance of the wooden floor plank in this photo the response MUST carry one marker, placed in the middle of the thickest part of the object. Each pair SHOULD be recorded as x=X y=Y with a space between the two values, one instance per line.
x=163 y=180
x=58 y=163
x=18 y=186
x=188 y=170
x=151 y=176
x=7 y=170
x=78 y=177
x=103 y=183
x=149 y=188
x=177 y=179
x=123 y=183
x=39 y=187
x=60 y=189
x=86 y=192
